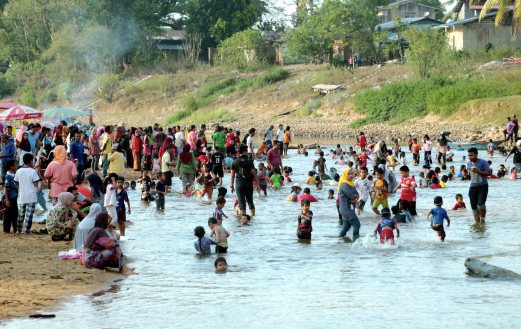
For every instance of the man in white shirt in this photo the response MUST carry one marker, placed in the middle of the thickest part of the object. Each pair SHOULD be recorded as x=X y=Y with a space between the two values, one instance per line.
x=249 y=141
x=280 y=135
x=27 y=179
x=179 y=139
x=363 y=186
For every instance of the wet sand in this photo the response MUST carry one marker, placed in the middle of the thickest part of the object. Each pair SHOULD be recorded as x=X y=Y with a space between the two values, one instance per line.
x=32 y=278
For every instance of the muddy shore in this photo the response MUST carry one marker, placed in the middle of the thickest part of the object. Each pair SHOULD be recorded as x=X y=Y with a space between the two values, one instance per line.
x=32 y=278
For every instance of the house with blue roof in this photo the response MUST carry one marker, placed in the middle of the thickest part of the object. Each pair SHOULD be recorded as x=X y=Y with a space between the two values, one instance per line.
x=468 y=32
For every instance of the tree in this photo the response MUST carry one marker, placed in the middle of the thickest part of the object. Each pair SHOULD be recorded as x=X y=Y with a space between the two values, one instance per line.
x=503 y=11
x=218 y=20
x=241 y=49
x=427 y=48
x=348 y=20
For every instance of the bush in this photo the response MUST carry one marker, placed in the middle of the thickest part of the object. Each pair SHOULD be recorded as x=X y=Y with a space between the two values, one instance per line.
x=27 y=95
x=178 y=116
x=400 y=101
x=241 y=50
x=108 y=84
x=50 y=96
x=7 y=87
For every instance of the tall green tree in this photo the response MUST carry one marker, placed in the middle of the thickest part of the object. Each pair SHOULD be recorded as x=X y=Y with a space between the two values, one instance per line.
x=217 y=20
x=349 y=20
x=427 y=49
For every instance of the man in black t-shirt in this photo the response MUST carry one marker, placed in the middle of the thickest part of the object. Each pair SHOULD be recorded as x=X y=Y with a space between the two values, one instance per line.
x=243 y=174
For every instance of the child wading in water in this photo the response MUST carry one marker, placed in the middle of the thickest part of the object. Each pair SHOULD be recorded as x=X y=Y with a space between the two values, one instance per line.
x=221 y=236
x=436 y=216
x=386 y=228
x=203 y=243
x=305 y=217
x=160 y=192
x=460 y=204
x=122 y=198
x=381 y=191
x=220 y=264
x=218 y=212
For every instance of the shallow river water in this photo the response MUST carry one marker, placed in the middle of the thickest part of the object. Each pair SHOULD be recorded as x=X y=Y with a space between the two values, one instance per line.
x=276 y=282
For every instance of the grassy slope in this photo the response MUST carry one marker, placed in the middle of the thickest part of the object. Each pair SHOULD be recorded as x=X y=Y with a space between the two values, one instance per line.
x=291 y=100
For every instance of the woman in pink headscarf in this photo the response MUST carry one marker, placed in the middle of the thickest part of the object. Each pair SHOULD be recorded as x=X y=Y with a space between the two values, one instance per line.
x=61 y=172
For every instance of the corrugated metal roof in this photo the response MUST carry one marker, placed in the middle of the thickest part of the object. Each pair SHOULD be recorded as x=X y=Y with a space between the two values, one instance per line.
x=465 y=21
x=405 y=21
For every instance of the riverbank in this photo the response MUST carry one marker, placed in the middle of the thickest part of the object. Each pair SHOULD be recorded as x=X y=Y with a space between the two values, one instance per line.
x=32 y=278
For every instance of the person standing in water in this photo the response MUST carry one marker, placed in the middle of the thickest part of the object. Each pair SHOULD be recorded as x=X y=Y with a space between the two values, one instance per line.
x=348 y=200
x=478 y=191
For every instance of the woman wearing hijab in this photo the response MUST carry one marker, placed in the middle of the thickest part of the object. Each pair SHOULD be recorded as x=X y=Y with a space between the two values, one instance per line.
x=84 y=227
x=96 y=188
x=186 y=166
x=61 y=221
x=348 y=198
x=61 y=172
x=101 y=250
x=136 y=147
x=116 y=161
x=94 y=149
x=23 y=147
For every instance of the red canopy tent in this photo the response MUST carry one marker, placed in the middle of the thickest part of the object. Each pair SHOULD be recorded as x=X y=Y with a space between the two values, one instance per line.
x=20 y=112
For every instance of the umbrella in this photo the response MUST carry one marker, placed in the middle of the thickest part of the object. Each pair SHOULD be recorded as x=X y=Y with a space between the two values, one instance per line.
x=61 y=112
x=7 y=105
x=20 y=112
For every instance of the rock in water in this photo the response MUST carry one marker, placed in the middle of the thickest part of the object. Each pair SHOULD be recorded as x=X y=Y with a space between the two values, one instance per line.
x=480 y=268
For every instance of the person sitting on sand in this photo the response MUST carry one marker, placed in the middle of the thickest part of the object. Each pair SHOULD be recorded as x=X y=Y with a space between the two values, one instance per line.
x=61 y=221
x=84 y=227
x=102 y=250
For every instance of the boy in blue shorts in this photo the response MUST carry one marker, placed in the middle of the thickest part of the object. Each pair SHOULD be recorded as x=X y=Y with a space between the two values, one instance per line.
x=437 y=216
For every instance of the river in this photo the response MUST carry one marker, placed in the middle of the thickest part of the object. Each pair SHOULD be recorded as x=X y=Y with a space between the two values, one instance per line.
x=276 y=282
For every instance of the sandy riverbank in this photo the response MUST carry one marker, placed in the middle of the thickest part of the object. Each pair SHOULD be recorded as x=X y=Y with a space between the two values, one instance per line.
x=32 y=278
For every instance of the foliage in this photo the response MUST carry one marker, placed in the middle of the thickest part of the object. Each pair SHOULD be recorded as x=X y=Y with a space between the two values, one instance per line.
x=107 y=84
x=351 y=21
x=400 y=101
x=241 y=49
x=427 y=49
x=27 y=95
x=178 y=116
x=503 y=11
x=218 y=20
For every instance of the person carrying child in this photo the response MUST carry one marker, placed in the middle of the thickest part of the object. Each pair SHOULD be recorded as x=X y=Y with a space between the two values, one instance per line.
x=305 y=217
x=385 y=228
x=437 y=216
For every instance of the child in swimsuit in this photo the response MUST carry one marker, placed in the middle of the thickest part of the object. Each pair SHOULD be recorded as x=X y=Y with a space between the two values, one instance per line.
x=277 y=179
x=305 y=217
x=385 y=228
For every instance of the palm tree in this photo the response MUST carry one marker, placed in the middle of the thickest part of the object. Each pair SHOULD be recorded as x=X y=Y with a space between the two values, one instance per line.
x=503 y=8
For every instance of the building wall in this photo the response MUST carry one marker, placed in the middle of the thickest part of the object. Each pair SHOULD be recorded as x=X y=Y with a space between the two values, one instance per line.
x=409 y=10
x=478 y=35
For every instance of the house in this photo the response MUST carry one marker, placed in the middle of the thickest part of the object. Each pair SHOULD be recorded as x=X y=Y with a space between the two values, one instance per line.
x=170 y=40
x=394 y=45
x=468 y=32
x=406 y=9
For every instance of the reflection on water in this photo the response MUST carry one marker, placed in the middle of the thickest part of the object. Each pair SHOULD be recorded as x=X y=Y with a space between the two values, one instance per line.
x=276 y=281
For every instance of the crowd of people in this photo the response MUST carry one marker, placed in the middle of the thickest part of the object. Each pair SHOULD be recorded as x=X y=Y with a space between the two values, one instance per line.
x=83 y=168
